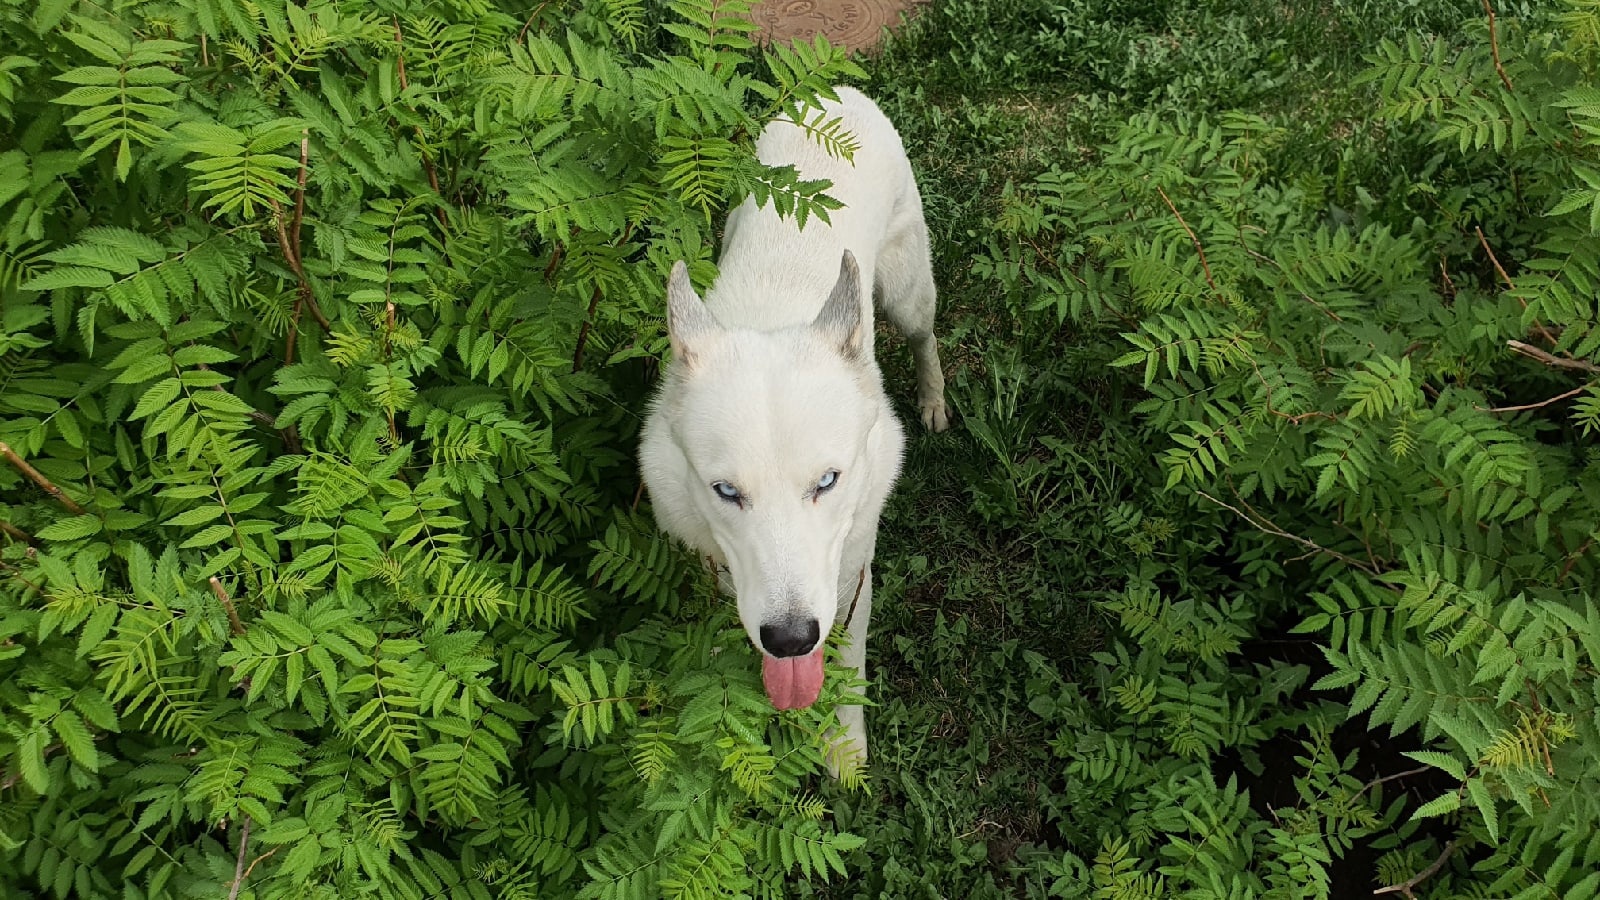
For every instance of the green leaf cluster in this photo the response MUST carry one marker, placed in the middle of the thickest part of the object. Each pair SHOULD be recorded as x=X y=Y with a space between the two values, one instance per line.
x=323 y=329
x=1372 y=402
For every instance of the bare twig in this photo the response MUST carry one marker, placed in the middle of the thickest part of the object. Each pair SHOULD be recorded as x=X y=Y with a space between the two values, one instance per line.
x=289 y=435
x=252 y=867
x=594 y=304
x=555 y=260
x=422 y=141
x=1406 y=886
x=1542 y=403
x=238 y=868
x=290 y=241
x=287 y=245
x=234 y=625
x=36 y=477
x=1263 y=524
x=583 y=330
x=300 y=191
x=1510 y=285
x=1321 y=307
x=1494 y=46
x=17 y=574
x=15 y=533
x=1501 y=270
x=1572 y=558
x=1291 y=418
x=1193 y=238
x=11 y=780
x=523 y=34
x=1395 y=777
x=1549 y=359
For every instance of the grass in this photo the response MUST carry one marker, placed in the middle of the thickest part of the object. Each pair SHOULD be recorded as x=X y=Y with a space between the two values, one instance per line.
x=998 y=540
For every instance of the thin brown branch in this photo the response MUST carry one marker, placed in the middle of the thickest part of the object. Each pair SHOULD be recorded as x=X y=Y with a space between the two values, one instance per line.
x=38 y=478
x=1494 y=47
x=252 y=866
x=1193 y=238
x=1510 y=285
x=583 y=330
x=1542 y=403
x=11 y=780
x=1263 y=524
x=294 y=332
x=638 y=495
x=305 y=299
x=300 y=191
x=1388 y=778
x=400 y=52
x=316 y=310
x=1321 y=307
x=290 y=242
x=1406 y=886
x=1501 y=270
x=15 y=533
x=234 y=625
x=1291 y=418
x=1572 y=559
x=523 y=34
x=238 y=867
x=422 y=141
x=555 y=260
x=594 y=304
x=1549 y=359
x=17 y=574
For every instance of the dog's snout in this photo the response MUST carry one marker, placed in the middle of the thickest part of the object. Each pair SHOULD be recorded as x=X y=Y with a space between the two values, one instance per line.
x=790 y=636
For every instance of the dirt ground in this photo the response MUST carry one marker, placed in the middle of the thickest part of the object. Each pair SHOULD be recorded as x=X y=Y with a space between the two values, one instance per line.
x=856 y=24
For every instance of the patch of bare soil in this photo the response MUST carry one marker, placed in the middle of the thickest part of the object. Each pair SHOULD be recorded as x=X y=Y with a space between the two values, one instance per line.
x=855 y=24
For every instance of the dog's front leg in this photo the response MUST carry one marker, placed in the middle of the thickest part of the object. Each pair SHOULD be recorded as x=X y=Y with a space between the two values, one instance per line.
x=848 y=749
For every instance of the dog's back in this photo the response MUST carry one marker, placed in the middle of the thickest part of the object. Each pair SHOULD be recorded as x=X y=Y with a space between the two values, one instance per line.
x=775 y=275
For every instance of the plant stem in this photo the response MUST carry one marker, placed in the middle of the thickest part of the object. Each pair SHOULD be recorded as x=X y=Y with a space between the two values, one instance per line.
x=38 y=478
x=234 y=624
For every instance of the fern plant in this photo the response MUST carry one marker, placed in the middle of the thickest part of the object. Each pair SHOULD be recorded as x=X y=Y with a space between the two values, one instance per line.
x=320 y=568
x=1377 y=398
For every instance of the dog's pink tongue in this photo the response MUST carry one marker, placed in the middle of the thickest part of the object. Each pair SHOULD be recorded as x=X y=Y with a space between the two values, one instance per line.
x=795 y=682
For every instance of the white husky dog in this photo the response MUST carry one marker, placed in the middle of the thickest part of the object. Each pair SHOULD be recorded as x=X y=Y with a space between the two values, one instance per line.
x=772 y=445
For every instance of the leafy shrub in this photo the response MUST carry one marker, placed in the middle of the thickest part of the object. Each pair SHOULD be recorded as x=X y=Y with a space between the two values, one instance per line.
x=1378 y=397
x=323 y=328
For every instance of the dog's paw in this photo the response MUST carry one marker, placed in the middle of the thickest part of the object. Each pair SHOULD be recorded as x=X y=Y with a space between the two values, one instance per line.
x=934 y=417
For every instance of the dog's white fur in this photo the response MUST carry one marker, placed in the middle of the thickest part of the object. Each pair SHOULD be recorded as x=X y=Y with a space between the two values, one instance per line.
x=773 y=383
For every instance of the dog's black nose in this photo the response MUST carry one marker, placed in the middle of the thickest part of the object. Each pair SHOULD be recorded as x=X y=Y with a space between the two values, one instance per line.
x=790 y=636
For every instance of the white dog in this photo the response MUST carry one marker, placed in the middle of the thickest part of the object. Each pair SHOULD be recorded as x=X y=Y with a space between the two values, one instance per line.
x=772 y=445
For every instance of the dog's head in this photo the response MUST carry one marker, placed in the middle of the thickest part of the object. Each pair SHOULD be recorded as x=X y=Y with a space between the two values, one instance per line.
x=784 y=437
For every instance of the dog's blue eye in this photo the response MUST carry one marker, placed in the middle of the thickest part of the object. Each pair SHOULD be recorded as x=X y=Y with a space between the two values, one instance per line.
x=828 y=480
x=727 y=491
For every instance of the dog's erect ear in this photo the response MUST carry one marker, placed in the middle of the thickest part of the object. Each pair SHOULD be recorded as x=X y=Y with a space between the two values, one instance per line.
x=688 y=320
x=840 y=318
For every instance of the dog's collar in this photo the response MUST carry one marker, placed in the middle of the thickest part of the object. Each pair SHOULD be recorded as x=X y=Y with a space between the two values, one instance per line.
x=861 y=582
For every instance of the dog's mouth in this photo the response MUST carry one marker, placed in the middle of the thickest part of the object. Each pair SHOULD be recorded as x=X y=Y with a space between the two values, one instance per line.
x=794 y=682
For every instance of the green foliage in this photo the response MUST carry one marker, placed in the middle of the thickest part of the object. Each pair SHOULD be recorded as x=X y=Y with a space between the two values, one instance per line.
x=320 y=328
x=1263 y=544
x=1342 y=382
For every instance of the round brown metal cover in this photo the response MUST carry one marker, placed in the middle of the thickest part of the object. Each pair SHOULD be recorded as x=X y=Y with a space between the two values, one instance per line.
x=856 y=24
